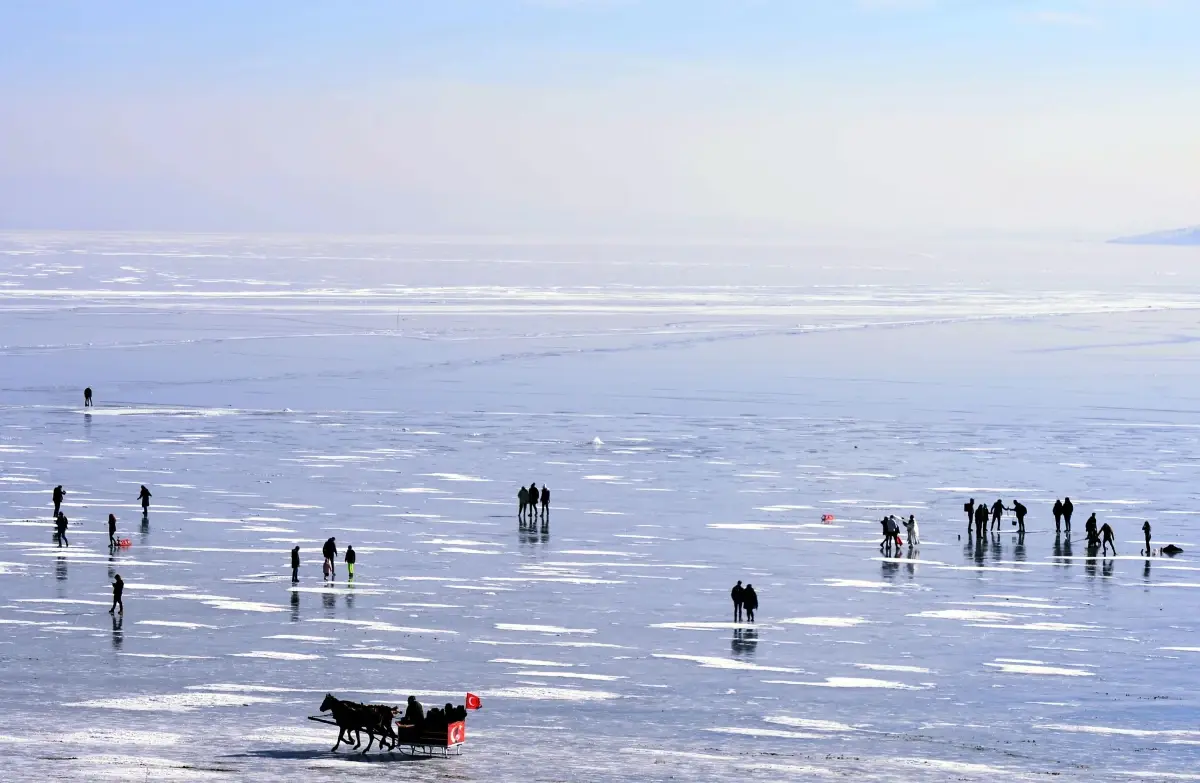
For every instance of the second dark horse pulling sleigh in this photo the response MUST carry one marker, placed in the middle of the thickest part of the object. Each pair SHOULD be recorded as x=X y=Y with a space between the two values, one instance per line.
x=440 y=730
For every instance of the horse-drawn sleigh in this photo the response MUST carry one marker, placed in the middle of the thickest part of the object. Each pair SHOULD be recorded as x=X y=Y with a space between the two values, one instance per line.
x=441 y=732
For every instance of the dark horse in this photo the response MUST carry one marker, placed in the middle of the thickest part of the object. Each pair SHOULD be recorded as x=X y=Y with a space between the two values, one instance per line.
x=352 y=717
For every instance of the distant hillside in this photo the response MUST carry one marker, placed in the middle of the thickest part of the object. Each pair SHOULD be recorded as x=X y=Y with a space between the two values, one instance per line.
x=1178 y=236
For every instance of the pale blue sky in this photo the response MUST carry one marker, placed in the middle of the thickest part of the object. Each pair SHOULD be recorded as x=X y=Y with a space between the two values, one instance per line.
x=601 y=116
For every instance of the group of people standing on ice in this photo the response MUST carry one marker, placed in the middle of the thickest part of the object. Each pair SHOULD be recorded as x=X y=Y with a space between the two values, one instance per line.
x=891 y=532
x=528 y=499
x=1099 y=536
x=61 y=522
x=978 y=516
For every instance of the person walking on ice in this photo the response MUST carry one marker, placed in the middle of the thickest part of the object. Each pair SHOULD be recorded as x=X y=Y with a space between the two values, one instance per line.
x=969 y=507
x=145 y=496
x=1068 y=510
x=351 y=557
x=58 y=495
x=1146 y=533
x=738 y=594
x=545 y=502
x=295 y=564
x=118 y=587
x=112 y=531
x=60 y=526
x=1058 y=512
x=910 y=527
x=87 y=397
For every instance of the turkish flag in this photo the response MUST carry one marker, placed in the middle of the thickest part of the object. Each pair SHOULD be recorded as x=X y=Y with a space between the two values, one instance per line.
x=474 y=702
x=456 y=733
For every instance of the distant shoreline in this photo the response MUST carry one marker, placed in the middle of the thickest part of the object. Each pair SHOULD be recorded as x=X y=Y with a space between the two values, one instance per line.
x=1179 y=237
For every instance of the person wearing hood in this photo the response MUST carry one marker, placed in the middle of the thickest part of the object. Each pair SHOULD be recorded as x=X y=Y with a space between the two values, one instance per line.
x=750 y=601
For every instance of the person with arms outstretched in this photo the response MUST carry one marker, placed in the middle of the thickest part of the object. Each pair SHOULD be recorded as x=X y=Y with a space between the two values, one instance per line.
x=144 y=496
x=997 y=513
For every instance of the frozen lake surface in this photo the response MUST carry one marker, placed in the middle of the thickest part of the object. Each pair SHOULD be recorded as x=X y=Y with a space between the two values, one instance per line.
x=695 y=411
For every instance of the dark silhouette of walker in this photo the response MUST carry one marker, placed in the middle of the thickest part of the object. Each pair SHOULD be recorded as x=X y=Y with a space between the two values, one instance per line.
x=738 y=594
x=144 y=496
x=87 y=397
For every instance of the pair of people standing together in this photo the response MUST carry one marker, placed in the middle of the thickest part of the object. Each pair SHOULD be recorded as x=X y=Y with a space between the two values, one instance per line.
x=744 y=598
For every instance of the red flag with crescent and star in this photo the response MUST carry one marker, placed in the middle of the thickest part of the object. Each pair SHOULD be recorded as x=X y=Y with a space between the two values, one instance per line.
x=456 y=733
x=474 y=702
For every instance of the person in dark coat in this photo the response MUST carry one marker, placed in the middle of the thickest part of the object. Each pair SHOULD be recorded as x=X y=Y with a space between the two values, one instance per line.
x=87 y=397
x=1058 y=512
x=1020 y=510
x=118 y=587
x=112 y=531
x=296 y=563
x=981 y=520
x=329 y=550
x=351 y=559
x=534 y=497
x=145 y=496
x=887 y=533
x=545 y=501
x=1089 y=527
x=414 y=714
x=750 y=599
x=738 y=594
x=1146 y=533
x=522 y=502
x=969 y=507
x=60 y=526
x=58 y=495
x=997 y=513
x=1068 y=510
